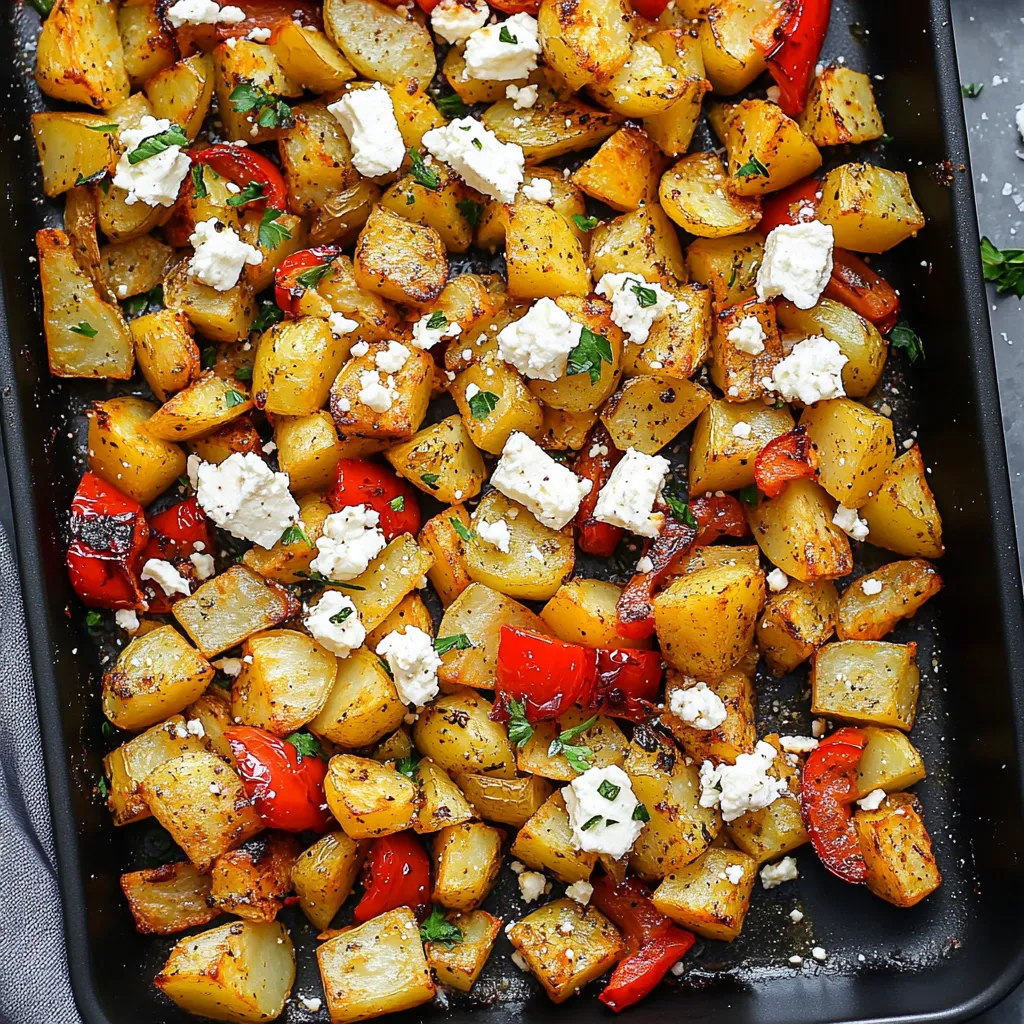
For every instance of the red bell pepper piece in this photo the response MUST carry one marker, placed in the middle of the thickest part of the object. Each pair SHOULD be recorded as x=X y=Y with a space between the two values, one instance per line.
x=361 y=482
x=718 y=517
x=855 y=284
x=288 y=289
x=792 y=49
x=653 y=942
x=268 y=13
x=593 y=536
x=627 y=683
x=826 y=793
x=175 y=532
x=650 y=9
x=518 y=6
x=796 y=204
x=108 y=534
x=286 y=789
x=397 y=875
x=245 y=166
x=790 y=456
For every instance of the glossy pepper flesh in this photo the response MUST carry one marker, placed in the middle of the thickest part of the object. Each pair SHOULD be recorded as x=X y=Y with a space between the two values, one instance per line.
x=595 y=462
x=297 y=273
x=245 y=167
x=792 y=45
x=790 y=456
x=397 y=875
x=361 y=482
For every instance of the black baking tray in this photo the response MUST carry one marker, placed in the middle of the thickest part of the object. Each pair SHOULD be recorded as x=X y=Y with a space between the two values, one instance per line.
x=949 y=958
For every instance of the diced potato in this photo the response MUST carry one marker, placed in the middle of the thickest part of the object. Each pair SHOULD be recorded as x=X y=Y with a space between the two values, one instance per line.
x=448 y=575
x=459 y=964
x=457 y=733
x=740 y=375
x=240 y=971
x=584 y=41
x=703 y=898
x=604 y=739
x=796 y=533
x=888 y=761
x=308 y=450
x=369 y=798
x=71 y=148
x=253 y=881
x=542 y=253
x=624 y=172
x=442 y=461
x=642 y=242
x=213 y=712
x=649 y=411
x=898 y=851
x=841 y=109
x=394 y=573
x=869 y=682
x=395 y=747
x=566 y=946
x=643 y=86
x=731 y=59
x=232 y=606
x=775 y=830
x=472 y=90
x=377 y=967
x=903 y=516
x=727 y=265
x=237 y=436
x=273 y=250
x=870 y=208
x=156 y=675
x=467 y=859
x=672 y=129
x=906 y=586
x=545 y=843
x=437 y=208
x=289 y=557
x=414 y=110
x=796 y=621
x=207 y=403
x=508 y=801
x=309 y=57
x=203 y=805
x=131 y=268
x=168 y=899
x=442 y=802
x=583 y=612
x=323 y=876
x=736 y=735
x=166 y=352
x=695 y=194
x=565 y=431
x=219 y=316
x=182 y=92
x=249 y=63
x=678 y=341
x=412 y=610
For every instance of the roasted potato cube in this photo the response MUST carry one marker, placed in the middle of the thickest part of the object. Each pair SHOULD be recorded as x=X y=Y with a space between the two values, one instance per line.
x=308 y=450
x=542 y=253
x=369 y=798
x=678 y=341
x=604 y=738
x=796 y=621
x=888 y=761
x=902 y=515
x=207 y=403
x=182 y=92
x=274 y=249
x=728 y=266
x=391 y=575
x=731 y=59
x=414 y=110
x=438 y=208
x=642 y=242
x=694 y=193
x=703 y=897
x=442 y=461
x=309 y=57
x=584 y=41
x=442 y=802
x=866 y=681
x=240 y=971
x=252 y=881
x=448 y=574
x=219 y=316
x=624 y=172
x=168 y=899
x=237 y=436
x=643 y=86
x=672 y=129
x=248 y=63
x=583 y=612
x=457 y=733
x=508 y=801
x=202 y=803
x=736 y=735
x=131 y=268
x=545 y=843
x=565 y=431
x=898 y=851
x=291 y=556
x=468 y=859
x=412 y=610
x=841 y=109
x=649 y=411
x=71 y=148
x=323 y=876
x=397 y=259
x=459 y=964
x=166 y=352
x=870 y=208
x=472 y=90
x=566 y=946
x=740 y=374
x=213 y=712
x=906 y=586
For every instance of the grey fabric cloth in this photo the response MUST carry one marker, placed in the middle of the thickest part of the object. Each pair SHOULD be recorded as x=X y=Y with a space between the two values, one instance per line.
x=34 y=983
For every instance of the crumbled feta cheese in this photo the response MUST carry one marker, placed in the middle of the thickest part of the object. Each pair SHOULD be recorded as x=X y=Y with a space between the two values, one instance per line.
x=393 y=358
x=627 y=499
x=359 y=349
x=772 y=93
x=601 y=807
x=413 y=662
x=527 y=474
x=341 y=325
x=535 y=552
x=156 y=179
x=580 y=892
x=777 y=581
x=518 y=867
x=678 y=969
x=496 y=533
x=871 y=586
x=194 y=727
x=126 y=619
x=697 y=705
x=504 y=51
x=335 y=624
x=818 y=728
x=367 y=117
x=798 y=744
x=795 y=960
x=811 y=372
x=203 y=12
x=229 y=666
x=797 y=263
x=220 y=254
x=426 y=337
x=260 y=35
x=784 y=870
x=205 y=565
x=475 y=152
x=850 y=523
x=245 y=497
x=311 y=1003
x=520 y=961
x=351 y=540
x=644 y=564
x=163 y=573
x=734 y=873
x=873 y=800
x=522 y=97
x=454 y=22
x=372 y=391
x=540 y=190
x=743 y=786
x=741 y=430
x=532 y=885
x=636 y=303
x=472 y=390
x=538 y=344
x=748 y=336
x=819 y=953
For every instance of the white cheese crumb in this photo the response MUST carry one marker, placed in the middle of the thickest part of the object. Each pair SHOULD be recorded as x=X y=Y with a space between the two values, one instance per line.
x=393 y=358
x=335 y=624
x=818 y=953
x=229 y=666
x=580 y=892
x=636 y=303
x=351 y=539
x=426 y=337
x=522 y=97
x=741 y=430
x=220 y=255
x=748 y=336
x=163 y=573
x=644 y=564
x=311 y=1003
x=818 y=728
x=811 y=372
x=850 y=523
x=773 y=875
x=540 y=190
x=871 y=586
x=194 y=727
x=601 y=807
x=697 y=705
x=413 y=662
x=372 y=391
x=743 y=786
x=798 y=744
x=734 y=873
x=367 y=117
x=777 y=581
x=127 y=619
x=475 y=152
x=873 y=800
x=203 y=12
x=532 y=885
x=519 y=960
x=796 y=916
x=260 y=35
x=205 y=565
x=341 y=325
x=454 y=22
x=627 y=499
x=538 y=344
x=490 y=58
x=797 y=263
x=156 y=179
x=496 y=533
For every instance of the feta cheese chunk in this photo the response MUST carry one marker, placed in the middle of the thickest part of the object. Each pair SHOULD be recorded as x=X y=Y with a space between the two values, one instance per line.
x=636 y=303
x=540 y=190
x=601 y=807
x=797 y=263
x=798 y=744
x=734 y=873
x=341 y=325
x=850 y=523
x=432 y=328
x=496 y=533
x=742 y=430
x=413 y=662
x=260 y=35
x=743 y=786
x=367 y=117
x=245 y=497
x=777 y=581
x=811 y=372
x=580 y=892
x=796 y=916
x=538 y=344
x=522 y=97
x=166 y=576
x=505 y=51
x=871 y=587
x=203 y=12
x=351 y=540
x=748 y=336
x=393 y=358
x=527 y=474
x=229 y=666
x=475 y=152
x=532 y=885
x=627 y=499
x=205 y=565
x=126 y=619
x=873 y=800
x=155 y=180
x=220 y=255
x=373 y=392
x=785 y=870
x=454 y=21
x=334 y=623
x=697 y=705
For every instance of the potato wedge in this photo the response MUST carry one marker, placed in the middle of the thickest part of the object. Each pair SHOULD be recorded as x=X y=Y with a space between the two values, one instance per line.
x=695 y=194
x=906 y=586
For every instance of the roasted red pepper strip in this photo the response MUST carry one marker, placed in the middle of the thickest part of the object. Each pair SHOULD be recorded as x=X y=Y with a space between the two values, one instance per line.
x=361 y=482
x=594 y=537
x=855 y=284
x=288 y=289
x=244 y=166
x=792 y=50
x=268 y=13
x=285 y=788
x=826 y=792
x=718 y=516
x=627 y=683
x=108 y=535
x=653 y=942
x=651 y=9
x=790 y=456
x=175 y=532
x=397 y=875
x=796 y=204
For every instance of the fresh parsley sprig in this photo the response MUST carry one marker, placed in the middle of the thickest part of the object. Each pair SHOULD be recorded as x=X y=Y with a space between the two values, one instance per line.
x=174 y=136
x=306 y=744
x=455 y=642
x=577 y=755
x=272 y=234
x=482 y=404
x=421 y=173
x=519 y=729
x=294 y=534
x=438 y=929
x=587 y=357
x=905 y=339
x=753 y=168
x=270 y=111
x=1004 y=267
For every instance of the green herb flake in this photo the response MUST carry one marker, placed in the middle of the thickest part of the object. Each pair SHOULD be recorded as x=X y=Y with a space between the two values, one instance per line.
x=407 y=766
x=93 y=618
x=905 y=339
x=471 y=211
x=504 y=36
x=645 y=296
x=753 y=168
x=140 y=303
x=233 y=398
x=208 y=357
x=272 y=234
x=588 y=355
x=306 y=744
x=294 y=534
x=451 y=106
x=749 y=495
x=437 y=929
x=199 y=189
x=43 y=6
x=244 y=373
x=679 y=508
x=326 y=581
x=466 y=534
x=859 y=32
x=437 y=322
x=590 y=823
x=1004 y=267
x=312 y=277
x=482 y=404
x=398 y=504
x=455 y=642
x=577 y=755
x=477 y=143
x=971 y=90
x=92 y=179
x=271 y=111
x=421 y=173
x=430 y=479
x=270 y=313
x=102 y=788
x=174 y=136
x=519 y=729
x=608 y=790
x=584 y=223
x=885 y=138
x=85 y=329
x=341 y=616
x=252 y=193
x=103 y=127
x=640 y=813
